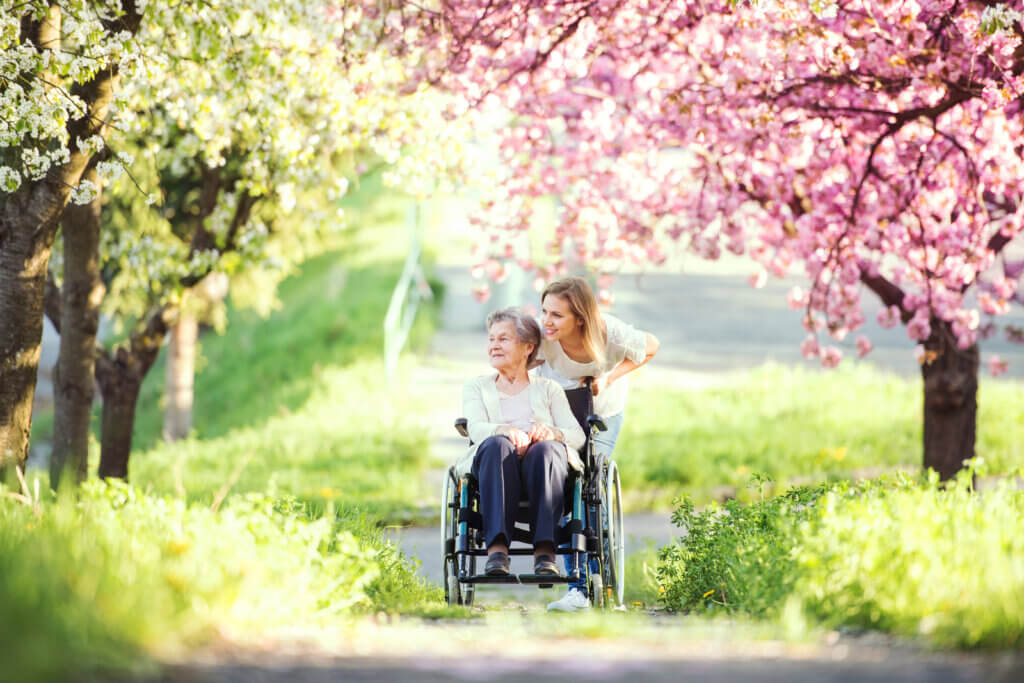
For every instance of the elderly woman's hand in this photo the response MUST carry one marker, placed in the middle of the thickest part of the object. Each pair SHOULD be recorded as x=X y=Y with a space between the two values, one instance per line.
x=541 y=432
x=519 y=438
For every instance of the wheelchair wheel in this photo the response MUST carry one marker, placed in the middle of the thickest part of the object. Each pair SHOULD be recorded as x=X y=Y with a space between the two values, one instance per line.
x=613 y=541
x=455 y=593
x=449 y=530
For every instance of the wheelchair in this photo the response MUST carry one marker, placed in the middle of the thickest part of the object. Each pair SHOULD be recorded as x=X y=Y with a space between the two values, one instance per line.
x=593 y=533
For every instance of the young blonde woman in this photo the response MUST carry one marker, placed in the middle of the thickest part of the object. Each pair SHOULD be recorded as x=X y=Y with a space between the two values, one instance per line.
x=579 y=341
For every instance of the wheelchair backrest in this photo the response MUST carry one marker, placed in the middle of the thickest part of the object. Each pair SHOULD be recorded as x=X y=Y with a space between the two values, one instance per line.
x=581 y=402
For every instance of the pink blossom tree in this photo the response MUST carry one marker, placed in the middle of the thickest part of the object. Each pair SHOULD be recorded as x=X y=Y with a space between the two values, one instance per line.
x=875 y=143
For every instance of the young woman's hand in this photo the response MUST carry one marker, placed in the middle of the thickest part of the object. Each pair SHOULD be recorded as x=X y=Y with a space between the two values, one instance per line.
x=598 y=384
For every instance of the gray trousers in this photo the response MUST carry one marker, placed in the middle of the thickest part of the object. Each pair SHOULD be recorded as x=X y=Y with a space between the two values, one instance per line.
x=504 y=478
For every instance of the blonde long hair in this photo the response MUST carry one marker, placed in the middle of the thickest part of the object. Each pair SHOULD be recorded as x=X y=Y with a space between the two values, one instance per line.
x=583 y=305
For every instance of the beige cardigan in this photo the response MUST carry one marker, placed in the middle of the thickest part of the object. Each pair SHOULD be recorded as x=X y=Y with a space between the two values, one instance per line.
x=482 y=409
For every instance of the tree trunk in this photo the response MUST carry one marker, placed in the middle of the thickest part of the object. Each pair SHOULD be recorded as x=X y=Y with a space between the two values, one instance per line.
x=28 y=224
x=119 y=382
x=80 y=300
x=24 y=259
x=119 y=375
x=950 y=401
x=181 y=353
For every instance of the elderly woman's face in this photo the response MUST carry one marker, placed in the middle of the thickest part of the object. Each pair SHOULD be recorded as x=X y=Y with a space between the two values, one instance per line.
x=504 y=348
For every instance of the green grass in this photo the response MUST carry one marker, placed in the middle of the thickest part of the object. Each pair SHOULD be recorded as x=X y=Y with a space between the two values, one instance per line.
x=116 y=576
x=910 y=557
x=796 y=426
x=299 y=404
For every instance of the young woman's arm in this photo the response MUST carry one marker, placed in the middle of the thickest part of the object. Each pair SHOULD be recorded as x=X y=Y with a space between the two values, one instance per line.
x=628 y=364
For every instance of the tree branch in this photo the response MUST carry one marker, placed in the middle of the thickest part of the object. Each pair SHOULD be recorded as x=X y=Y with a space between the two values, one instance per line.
x=889 y=293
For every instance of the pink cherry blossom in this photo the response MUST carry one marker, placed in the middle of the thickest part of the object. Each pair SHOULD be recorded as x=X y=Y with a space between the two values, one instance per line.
x=864 y=346
x=850 y=148
x=809 y=347
x=830 y=356
x=797 y=298
x=889 y=316
x=482 y=292
x=996 y=365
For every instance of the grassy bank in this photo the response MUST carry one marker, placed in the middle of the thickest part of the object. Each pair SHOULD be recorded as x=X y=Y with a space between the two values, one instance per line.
x=118 y=576
x=298 y=404
x=794 y=425
x=903 y=556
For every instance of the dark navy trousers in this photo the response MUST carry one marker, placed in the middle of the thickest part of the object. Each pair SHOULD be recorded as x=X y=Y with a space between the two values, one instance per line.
x=504 y=478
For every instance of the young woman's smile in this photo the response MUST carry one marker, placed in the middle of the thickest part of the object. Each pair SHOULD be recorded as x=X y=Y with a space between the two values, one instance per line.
x=559 y=321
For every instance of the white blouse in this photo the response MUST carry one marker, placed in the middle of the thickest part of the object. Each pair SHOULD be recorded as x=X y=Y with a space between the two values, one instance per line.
x=624 y=341
x=516 y=410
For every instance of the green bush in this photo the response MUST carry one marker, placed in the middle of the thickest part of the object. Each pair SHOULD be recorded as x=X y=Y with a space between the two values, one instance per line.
x=905 y=556
x=733 y=557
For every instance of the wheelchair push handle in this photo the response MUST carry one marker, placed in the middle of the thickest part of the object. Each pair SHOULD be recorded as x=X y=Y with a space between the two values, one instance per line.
x=594 y=420
x=461 y=425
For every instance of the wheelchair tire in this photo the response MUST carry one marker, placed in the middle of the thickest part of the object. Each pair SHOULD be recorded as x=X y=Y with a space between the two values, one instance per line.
x=449 y=528
x=613 y=542
x=596 y=591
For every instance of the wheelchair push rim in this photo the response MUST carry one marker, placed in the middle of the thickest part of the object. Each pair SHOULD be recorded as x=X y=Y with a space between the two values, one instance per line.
x=613 y=539
x=452 y=592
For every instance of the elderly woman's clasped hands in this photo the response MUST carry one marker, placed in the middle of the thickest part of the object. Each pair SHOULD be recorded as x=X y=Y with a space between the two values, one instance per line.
x=522 y=439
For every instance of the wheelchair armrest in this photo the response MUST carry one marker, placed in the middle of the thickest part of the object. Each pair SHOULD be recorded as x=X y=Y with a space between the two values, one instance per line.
x=460 y=427
x=595 y=422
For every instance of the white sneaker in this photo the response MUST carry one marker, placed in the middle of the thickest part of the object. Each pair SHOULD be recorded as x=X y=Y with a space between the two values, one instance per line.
x=573 y=601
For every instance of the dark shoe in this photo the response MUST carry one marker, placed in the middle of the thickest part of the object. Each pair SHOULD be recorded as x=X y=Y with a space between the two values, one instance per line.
x=545 y=565
x=497 y=565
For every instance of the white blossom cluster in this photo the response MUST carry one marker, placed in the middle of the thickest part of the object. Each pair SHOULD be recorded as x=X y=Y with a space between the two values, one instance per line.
x=270 y=92
x=36 y=103
x=1000 y=17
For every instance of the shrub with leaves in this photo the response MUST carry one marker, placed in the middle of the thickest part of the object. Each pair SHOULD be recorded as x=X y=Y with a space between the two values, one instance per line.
x=904 y=556
x=917 y=559
x=733 y=556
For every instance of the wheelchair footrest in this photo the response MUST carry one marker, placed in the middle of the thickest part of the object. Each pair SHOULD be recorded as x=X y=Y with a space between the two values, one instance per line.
x=541 y=579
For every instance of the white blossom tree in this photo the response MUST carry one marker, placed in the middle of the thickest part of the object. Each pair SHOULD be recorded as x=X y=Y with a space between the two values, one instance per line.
x=60 y=66
x=244 y=131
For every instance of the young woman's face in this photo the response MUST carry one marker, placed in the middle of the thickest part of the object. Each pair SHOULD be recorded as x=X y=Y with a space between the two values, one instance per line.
x=504 y=349
x=559 y=321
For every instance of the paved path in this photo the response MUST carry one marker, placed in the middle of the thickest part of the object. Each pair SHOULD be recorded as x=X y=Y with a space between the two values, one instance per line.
x=833 y=665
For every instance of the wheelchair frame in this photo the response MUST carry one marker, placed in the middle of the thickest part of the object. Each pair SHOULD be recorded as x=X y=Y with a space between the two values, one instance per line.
x=593 y=533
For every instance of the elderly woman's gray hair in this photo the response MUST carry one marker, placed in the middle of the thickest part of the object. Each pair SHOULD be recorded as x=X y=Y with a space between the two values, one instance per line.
x=527 y=329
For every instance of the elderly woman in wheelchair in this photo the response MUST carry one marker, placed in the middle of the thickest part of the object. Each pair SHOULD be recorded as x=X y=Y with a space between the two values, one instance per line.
x=524 y=464
x=526 y=439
